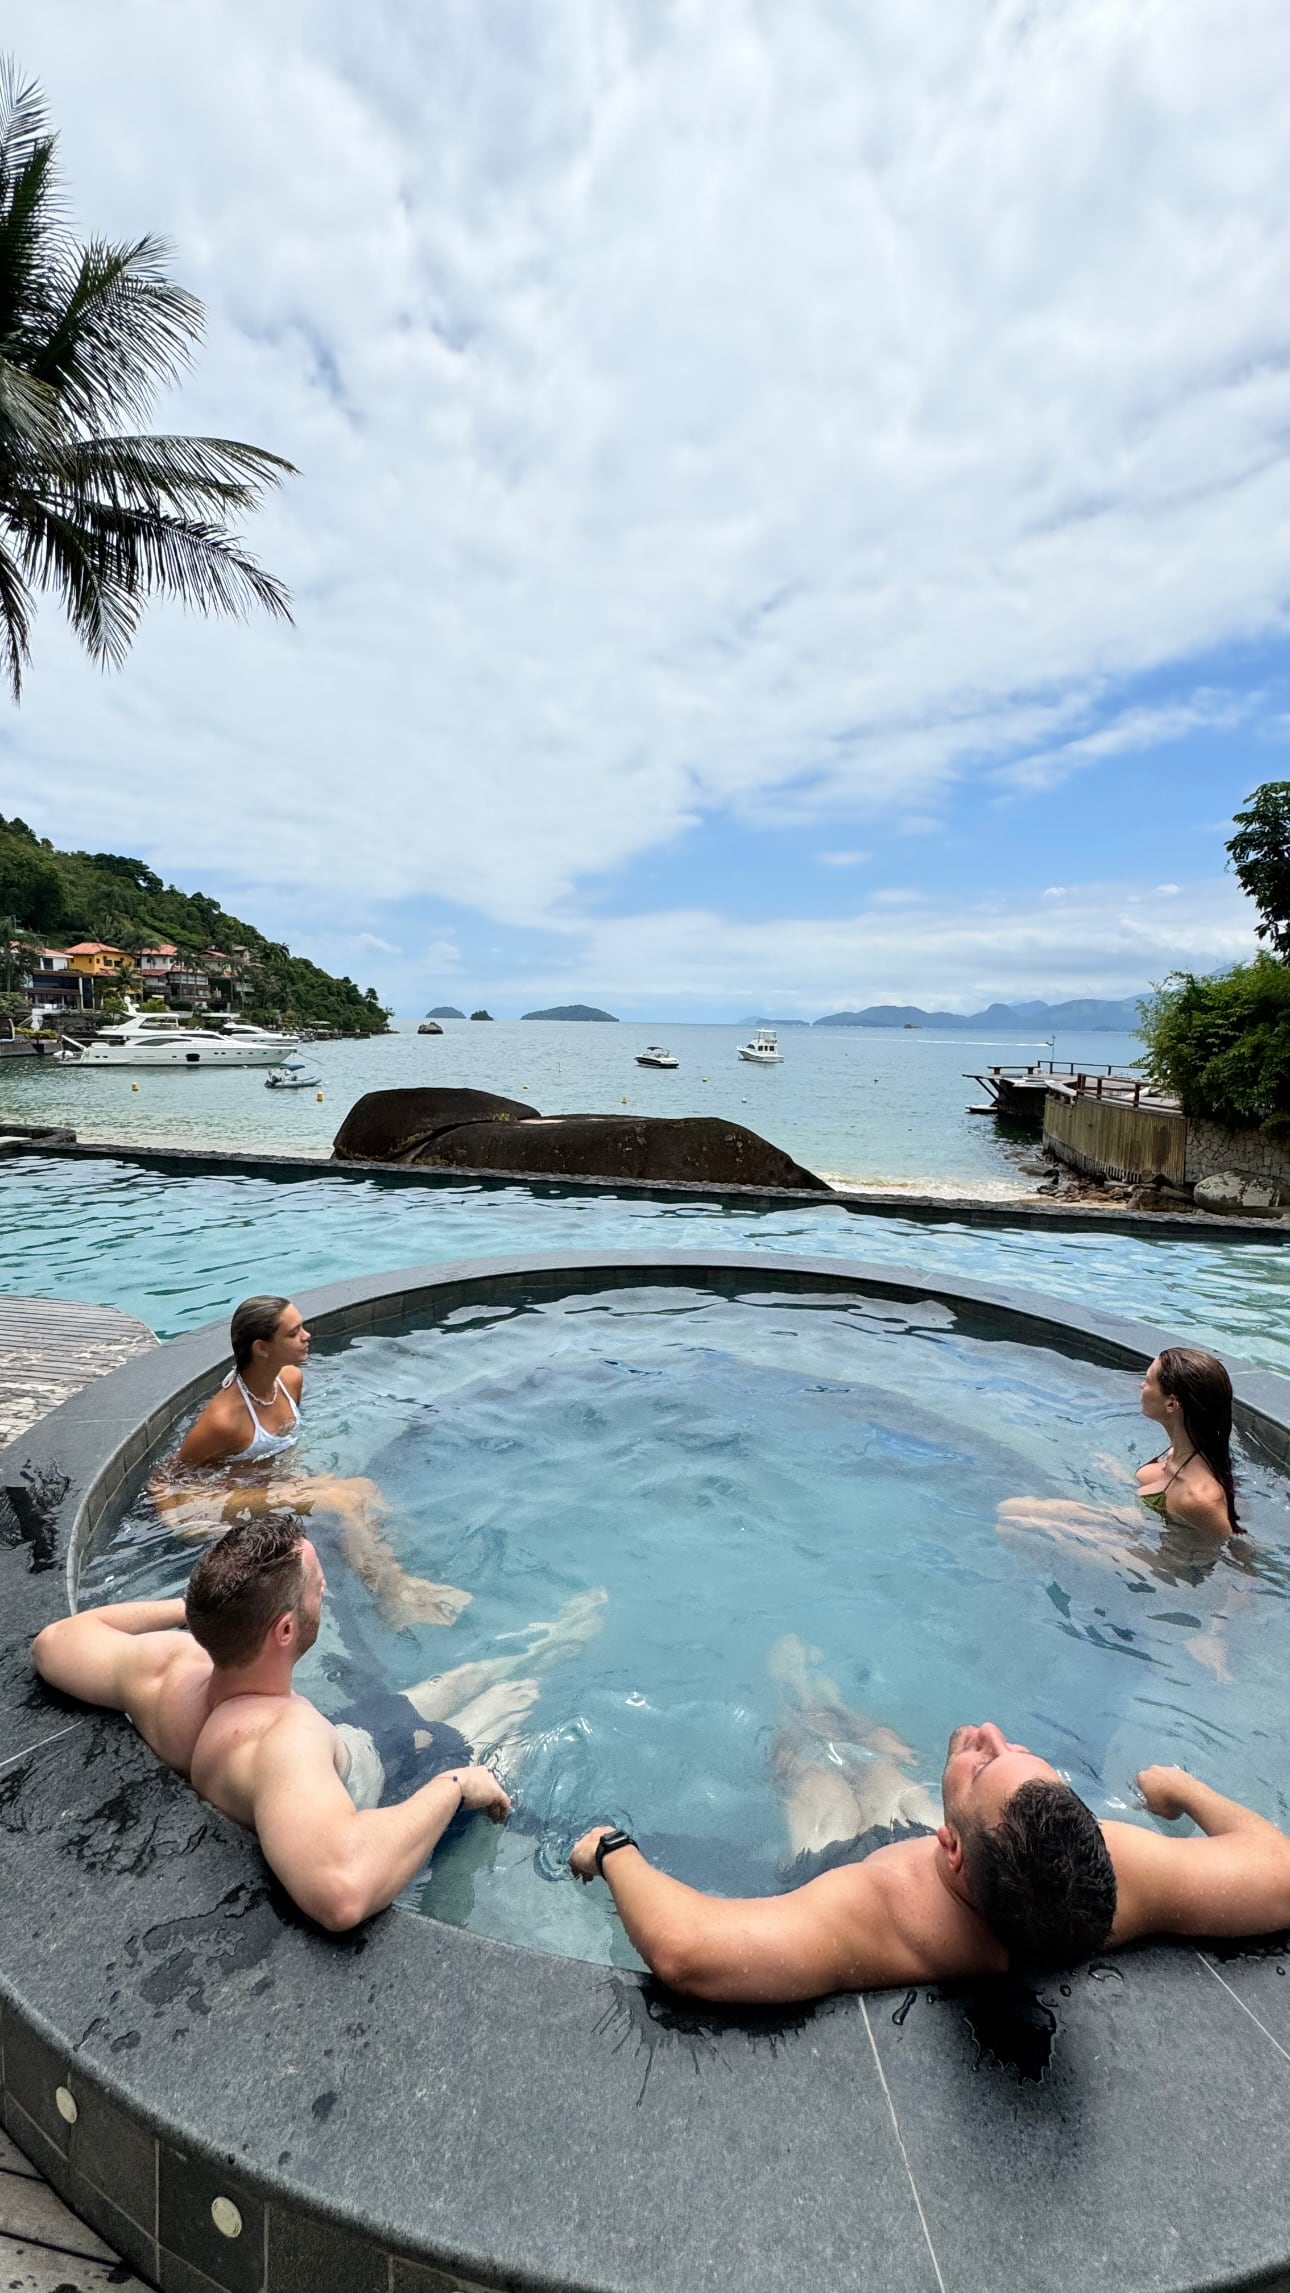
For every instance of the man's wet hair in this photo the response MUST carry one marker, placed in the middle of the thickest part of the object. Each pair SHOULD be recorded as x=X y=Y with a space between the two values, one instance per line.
x=243 y=1584
x=1042 y=1877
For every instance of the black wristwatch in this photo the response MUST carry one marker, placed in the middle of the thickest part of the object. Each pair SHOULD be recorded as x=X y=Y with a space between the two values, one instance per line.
x=607 y=1845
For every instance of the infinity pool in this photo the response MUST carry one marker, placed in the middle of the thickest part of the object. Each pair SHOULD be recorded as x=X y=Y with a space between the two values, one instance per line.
x=177 y=1250
x=790 y=1505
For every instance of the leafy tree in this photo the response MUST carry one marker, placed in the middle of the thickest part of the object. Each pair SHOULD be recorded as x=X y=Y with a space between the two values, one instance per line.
x=1260 y=854
x=1222 y=1045
x=89 y=335
x=17 y=948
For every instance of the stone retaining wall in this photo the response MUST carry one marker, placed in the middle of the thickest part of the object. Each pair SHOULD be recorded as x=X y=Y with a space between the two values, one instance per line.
x=1211 y=1149
x=1106 y=1139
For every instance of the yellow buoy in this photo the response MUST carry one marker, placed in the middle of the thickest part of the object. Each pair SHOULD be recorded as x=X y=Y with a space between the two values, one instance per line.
x=318 y=1096
x=134 y=1086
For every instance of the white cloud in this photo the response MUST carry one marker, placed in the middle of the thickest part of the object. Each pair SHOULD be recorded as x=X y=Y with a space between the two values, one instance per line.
x=1134 y=731
x=442 y=955
x=841 y=859
x=701 y=408
x=1102 y=939
x=380 y=946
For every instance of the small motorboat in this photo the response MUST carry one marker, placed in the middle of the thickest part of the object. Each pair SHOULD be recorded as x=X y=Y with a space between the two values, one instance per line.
x=292 y=1075
x=656 y=1056
x=764 y=1050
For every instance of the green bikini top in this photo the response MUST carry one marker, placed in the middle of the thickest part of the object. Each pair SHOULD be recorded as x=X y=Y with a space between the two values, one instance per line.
x=1157 y=1500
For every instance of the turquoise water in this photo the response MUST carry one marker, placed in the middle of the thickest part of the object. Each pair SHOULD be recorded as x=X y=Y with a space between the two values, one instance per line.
x=734 y=1472
x=868 y=1105
x=178 y=1251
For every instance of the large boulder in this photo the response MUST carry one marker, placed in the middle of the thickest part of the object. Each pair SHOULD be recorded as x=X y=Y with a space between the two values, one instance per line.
x=395 y=1126
x=1237 y=1197
x=472 y=1130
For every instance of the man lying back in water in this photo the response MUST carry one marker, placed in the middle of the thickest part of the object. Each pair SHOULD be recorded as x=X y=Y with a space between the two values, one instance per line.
x=1012 y=1870
x=207 y=1681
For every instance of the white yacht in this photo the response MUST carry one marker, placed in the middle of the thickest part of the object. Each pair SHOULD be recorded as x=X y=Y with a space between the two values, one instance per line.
x=156 y=1039
x=764 y=1050
x=656 y=1056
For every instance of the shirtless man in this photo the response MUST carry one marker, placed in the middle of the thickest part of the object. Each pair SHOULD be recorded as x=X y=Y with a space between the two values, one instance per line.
x=1017 y=1872
x=215 y=1702
x=232 y=1460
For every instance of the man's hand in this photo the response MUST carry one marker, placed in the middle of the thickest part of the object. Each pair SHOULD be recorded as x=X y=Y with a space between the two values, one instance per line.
x=481 y=1790
x=582 y=1860
x=1165 y=1791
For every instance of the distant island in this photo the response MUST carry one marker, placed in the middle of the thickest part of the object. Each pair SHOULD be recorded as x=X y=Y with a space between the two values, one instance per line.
x=777 y=1023
x=149 y=941
x=1089 y=1015
x=570 y=1011
x=445 y=1011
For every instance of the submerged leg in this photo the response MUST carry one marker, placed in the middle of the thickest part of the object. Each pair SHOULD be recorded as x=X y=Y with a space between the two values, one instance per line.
x=578 y=1621
x=838 y=1771
x=490 y=1723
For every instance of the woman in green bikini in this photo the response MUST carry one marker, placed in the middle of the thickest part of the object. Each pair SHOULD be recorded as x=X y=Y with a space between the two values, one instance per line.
x=1188 y=1394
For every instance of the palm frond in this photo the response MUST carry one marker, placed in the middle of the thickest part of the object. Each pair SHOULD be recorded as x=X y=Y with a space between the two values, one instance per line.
x=192 y=475
x=29 y=415
x=123 y=331
x=105 y=561
x=15 y=622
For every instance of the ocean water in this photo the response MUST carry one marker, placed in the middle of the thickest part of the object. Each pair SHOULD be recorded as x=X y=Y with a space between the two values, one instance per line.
x=867 y=1106
x=790 y=1506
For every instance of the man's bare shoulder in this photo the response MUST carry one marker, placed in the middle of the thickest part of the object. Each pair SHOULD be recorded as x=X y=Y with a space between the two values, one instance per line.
x=906 y=1925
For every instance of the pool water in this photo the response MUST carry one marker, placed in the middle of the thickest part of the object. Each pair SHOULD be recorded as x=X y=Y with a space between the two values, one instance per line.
x=749 y=1478
x=179 y=1250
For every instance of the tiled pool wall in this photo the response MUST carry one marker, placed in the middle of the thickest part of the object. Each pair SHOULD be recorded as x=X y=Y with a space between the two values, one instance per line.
x=238 y=2102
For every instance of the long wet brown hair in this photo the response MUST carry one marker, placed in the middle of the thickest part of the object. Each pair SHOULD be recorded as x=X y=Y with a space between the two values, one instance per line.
x=1202 y=1387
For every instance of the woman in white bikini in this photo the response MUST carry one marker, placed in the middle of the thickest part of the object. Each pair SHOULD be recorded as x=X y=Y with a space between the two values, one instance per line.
x=252 y=1423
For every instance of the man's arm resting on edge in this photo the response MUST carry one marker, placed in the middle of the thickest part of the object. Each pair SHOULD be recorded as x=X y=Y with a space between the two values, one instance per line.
x=91 y=1655
x=341 y=1863
x=1234 y=1881
x=829 y=1935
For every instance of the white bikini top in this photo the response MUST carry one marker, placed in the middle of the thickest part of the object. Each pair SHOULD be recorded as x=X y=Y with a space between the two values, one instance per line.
x=263 y=1443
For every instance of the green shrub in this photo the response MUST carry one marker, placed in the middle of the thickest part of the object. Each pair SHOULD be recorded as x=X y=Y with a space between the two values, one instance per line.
x=1222 y=1045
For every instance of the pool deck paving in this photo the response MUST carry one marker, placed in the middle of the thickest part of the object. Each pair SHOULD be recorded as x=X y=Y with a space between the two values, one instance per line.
x=43 y=2247
x=50 y=1348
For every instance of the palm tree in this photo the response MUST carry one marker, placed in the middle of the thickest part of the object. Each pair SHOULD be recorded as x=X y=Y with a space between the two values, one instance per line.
x=89 y=509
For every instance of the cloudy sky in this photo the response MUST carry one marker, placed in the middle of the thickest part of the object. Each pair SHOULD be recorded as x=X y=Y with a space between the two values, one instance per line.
x=795 y=500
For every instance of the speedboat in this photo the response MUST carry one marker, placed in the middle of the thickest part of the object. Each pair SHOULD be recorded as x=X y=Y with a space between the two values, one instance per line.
x=764 y=1050
x=156 y=1039
x=656 y=1056
x=292 y=1075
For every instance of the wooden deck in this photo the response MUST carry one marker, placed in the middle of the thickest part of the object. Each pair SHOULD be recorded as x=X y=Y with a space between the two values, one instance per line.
x=50 y=1348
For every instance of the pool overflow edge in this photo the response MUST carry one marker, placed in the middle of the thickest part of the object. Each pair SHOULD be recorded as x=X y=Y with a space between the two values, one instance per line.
x=167 y=2119
x=929 y=1209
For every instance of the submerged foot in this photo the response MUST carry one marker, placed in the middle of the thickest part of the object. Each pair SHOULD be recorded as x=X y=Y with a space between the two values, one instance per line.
x=414 y=1600
x=578 y=1622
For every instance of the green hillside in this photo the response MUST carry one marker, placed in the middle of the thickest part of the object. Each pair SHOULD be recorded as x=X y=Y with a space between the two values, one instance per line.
x=66 y=896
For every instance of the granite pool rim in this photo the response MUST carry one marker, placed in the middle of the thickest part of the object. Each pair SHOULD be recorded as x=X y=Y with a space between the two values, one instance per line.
x=690 y=2192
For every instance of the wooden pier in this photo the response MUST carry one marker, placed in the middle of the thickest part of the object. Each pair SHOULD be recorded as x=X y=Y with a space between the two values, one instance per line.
x=1019 y=1094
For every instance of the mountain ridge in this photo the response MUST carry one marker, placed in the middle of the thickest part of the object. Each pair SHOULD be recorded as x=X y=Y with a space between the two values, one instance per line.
x=1090 y=1014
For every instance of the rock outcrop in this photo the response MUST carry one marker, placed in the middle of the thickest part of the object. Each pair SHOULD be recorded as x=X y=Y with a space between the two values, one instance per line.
x=1227 y=1191
x=394 y=1126
x=474 y=1130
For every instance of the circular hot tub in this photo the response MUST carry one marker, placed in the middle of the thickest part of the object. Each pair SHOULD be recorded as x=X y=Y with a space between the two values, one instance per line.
x=744 y=1454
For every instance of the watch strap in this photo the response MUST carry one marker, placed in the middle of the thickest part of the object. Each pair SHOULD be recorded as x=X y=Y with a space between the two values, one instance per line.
x=607 y=1845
